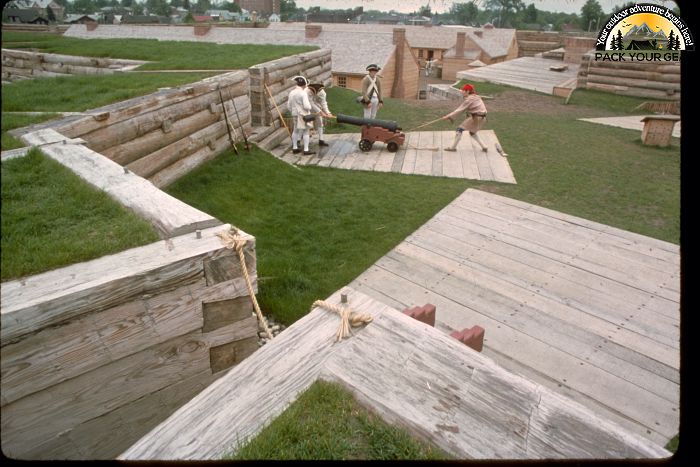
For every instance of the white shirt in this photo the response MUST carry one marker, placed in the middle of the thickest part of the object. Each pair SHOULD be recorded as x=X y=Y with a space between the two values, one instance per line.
x=298 y=102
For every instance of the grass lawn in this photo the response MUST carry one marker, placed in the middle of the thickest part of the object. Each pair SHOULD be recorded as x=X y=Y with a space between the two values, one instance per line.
x=318 y=228
x=52 y=218
x=326 y=423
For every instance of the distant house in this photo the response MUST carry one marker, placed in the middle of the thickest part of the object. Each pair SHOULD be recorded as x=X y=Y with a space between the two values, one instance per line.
x=14 y=15
x=274 y=18
x=202 y=18
x=144 y=19
x=38 y=6
x=221 y=15
x=80 y=19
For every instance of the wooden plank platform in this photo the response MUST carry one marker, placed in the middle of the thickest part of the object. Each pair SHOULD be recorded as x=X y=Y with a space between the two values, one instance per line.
x=524 y=72
x=633 y=122
x=587 y=310
x=409 y=373
x=421 y=154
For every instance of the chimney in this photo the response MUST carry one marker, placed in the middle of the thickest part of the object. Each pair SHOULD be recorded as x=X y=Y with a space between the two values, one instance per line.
x=479 y=33
x=397 y=87
x=459 y=46
x=399 y=36
x=313 y=30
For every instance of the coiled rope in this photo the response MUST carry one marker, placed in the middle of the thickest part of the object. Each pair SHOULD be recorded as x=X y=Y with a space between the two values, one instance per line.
x=348 y=318
x=233 y=241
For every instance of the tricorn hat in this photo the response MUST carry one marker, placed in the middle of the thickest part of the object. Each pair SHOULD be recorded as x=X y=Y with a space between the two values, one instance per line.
x=316 y=87
x=373 y=67
x=300 y=80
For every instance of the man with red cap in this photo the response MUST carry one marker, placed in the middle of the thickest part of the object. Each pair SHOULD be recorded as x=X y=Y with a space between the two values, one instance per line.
x=476 y=114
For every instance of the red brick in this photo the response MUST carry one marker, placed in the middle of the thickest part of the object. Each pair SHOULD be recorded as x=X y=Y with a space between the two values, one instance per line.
x=472 y=337
x=424 y=314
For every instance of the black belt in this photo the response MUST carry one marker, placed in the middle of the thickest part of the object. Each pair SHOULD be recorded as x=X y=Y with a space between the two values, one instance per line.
x=479 y=114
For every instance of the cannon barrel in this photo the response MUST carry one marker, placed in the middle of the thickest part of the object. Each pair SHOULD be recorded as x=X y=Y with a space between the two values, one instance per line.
x=387 y=124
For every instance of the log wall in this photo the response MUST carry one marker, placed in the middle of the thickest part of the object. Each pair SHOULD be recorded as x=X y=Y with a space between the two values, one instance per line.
x=276 y=75
x=96 y=354
x=164 y=135
x=531 y=43
x=20 y=64
x=653 y=80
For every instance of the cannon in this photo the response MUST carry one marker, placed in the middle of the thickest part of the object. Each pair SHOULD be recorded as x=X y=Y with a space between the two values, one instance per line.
x=386 y=131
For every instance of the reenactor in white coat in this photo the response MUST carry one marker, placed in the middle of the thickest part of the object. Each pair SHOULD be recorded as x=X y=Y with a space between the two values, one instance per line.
x=299 y=106
x=319 y=107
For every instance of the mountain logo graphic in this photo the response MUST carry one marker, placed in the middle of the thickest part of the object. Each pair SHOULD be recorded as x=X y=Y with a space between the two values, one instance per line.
x=645 y=27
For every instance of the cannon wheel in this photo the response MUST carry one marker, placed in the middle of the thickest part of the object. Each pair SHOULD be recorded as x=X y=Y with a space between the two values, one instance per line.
x=365 y=145
x=392 y=146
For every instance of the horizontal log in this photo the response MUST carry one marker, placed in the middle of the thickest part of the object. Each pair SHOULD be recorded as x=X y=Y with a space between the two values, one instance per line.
x=56 y=354
x=301 y=68
x=287 y=62
x=40 y=57
x=147 y=155
x=630 y=82
x=183 y=166
x=126 y=110
x=75 y=69
x=637 y=92
x=147 y=143
x=168 y=215
x=156 y=161
x=142 y=123
x=54 y=297
x=639 y=66
x=29 y=421
x=636 y=74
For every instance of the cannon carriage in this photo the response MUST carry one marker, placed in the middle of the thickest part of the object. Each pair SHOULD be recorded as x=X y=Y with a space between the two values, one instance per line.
x=385 y=131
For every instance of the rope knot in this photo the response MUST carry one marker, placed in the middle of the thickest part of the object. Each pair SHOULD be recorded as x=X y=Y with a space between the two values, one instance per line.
x=348 y=318
x=234 y=241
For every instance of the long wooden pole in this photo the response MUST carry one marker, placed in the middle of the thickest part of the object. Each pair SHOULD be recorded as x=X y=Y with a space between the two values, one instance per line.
x=228 y=124
x=240 y=125
x=278 y=109
x=425 y=124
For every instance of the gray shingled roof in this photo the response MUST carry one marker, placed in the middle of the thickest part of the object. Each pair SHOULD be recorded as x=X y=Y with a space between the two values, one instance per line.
x=494 y=42
x=353 y=46
x=351 y=51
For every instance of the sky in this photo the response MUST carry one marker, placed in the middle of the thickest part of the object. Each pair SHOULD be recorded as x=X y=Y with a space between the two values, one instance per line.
x=442 y=6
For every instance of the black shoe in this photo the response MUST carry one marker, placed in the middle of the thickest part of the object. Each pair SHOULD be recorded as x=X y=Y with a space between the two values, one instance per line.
x=308 y=153
x=296 y=151
x=322 y=143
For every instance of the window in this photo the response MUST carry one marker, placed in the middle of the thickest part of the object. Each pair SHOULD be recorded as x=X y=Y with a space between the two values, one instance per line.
x=420 y=53
x=342 y=81
x=431 y=54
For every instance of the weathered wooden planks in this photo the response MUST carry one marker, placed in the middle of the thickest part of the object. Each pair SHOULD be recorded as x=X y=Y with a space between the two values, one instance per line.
x=93 y=355
x=410 y=374
x=49 y=298
x=599 y=302
x=170 y=216
x=422 y=153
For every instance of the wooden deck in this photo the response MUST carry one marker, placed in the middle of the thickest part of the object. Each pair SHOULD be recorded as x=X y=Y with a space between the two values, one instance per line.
x=422 y=154
x=525 y=72
x=587 y=310
x=633 y=122
x=410 y=374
